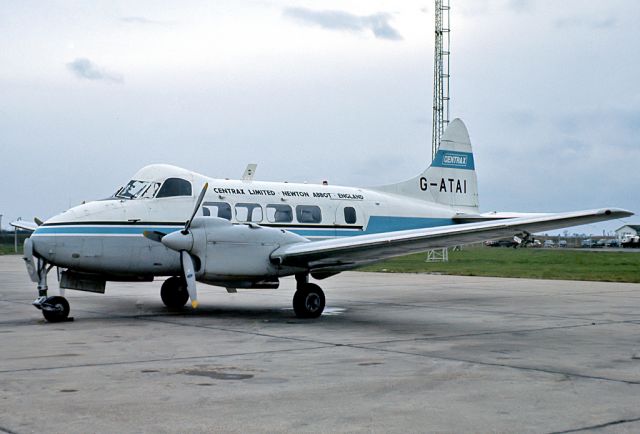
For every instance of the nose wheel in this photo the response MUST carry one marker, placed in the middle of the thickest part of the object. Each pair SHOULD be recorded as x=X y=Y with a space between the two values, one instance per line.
x=308 y=301
x=54 y=309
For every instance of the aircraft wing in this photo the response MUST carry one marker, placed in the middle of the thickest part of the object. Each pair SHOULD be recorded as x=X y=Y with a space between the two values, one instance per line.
x=24 y=225
x=332 y=256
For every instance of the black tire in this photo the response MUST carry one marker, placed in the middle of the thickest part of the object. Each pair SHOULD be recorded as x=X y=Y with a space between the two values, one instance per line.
x=308 y=301
x=61 y=309
x=174 y=293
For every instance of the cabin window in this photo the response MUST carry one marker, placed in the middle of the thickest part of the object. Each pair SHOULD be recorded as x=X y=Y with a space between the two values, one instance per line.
x=350 y=215
x=279 y=214
x=308 y=214
x=217 y=209
x=249 y=212
x=175 y=187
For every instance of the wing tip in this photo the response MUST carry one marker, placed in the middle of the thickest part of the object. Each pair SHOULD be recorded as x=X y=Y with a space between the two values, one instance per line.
x=616 y=212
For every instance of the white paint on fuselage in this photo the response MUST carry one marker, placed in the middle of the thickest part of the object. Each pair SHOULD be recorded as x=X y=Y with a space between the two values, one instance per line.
x=331 y=199
x=106 y=236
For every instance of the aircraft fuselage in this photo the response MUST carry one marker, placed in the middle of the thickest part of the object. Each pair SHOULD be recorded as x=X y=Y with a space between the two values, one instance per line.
x=106 y=236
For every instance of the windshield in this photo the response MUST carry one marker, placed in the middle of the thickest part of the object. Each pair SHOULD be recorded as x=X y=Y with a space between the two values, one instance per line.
x=137 y=190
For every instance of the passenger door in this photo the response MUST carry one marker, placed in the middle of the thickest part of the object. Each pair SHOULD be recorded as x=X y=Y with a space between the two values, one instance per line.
x=349 y=220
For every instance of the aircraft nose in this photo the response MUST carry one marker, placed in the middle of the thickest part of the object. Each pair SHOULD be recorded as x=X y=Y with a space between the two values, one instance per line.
x=178 y=241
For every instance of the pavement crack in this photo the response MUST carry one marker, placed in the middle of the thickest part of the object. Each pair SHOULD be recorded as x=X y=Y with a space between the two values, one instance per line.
x=493 y=333
x=600 y=426
x=497 y=365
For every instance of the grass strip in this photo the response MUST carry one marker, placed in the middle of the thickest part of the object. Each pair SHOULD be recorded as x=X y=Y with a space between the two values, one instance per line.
x=558 y=264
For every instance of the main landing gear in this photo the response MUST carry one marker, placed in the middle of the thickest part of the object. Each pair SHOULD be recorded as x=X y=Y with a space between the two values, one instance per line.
x=309 y=300
x=56 y=308
x=174 y=292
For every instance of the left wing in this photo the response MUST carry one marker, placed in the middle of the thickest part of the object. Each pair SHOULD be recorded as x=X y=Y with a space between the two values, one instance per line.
x=332 y=256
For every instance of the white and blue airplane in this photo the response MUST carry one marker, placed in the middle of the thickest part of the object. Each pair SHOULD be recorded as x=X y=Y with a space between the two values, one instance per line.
x=249 y=234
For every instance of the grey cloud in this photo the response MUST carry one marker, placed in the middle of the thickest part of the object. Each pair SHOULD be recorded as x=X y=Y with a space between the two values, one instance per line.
x=85 y=69
x=589 y=23
x=344 y=21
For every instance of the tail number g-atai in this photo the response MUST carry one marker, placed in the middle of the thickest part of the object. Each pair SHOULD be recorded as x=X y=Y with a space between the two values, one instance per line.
x=446 y=185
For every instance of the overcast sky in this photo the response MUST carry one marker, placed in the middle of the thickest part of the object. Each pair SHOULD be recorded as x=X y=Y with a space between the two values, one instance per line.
x=338 y=90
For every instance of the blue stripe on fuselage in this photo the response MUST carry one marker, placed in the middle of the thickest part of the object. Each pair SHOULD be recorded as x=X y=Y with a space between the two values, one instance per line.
x=102 y=229
x=377 y=224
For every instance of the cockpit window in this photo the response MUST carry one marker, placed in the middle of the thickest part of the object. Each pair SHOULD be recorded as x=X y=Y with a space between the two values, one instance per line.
x=137 y=189
x=175 y=187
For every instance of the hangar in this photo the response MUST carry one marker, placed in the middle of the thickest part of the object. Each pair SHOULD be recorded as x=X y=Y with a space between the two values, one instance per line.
x=627 y=230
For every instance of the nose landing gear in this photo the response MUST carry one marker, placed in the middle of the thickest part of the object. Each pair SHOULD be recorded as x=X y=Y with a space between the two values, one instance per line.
x=54 y=309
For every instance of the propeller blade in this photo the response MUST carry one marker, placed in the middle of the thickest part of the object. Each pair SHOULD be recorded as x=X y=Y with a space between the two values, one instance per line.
x=189 y=277
x=187 y=225
x=154 y=235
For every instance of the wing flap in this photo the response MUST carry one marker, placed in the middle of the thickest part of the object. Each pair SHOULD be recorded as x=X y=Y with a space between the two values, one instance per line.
x=351 y=252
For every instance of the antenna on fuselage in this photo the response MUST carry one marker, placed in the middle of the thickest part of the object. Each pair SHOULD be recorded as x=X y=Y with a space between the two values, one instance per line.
x=249 y=172
x=441 y=74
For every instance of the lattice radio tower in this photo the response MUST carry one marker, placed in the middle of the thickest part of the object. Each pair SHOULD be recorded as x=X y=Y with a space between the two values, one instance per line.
x=441 y=74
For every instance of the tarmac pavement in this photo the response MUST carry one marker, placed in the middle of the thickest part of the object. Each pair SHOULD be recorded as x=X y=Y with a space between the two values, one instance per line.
x=392 y=353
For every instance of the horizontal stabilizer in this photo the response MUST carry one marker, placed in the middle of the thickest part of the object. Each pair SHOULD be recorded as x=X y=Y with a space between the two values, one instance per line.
x=24 y=225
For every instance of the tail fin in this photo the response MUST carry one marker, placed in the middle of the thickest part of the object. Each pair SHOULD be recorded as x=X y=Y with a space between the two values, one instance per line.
x=451 y=178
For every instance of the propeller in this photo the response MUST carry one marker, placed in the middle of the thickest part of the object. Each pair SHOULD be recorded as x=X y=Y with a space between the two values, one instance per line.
x=189 y=277
x=182 y=241
x=187 y=225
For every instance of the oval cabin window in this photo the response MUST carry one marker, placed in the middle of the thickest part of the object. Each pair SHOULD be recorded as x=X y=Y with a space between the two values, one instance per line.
x=350 y=215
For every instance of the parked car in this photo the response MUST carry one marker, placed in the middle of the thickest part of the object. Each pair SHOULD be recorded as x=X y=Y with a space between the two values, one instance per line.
x=549 y=243
x=612 y=243
x=562 y=243
x=501 y=243
x=586 y=243
x=631 y=241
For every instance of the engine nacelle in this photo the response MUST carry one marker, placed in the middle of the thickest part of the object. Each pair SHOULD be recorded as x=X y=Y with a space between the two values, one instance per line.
x=230 y=252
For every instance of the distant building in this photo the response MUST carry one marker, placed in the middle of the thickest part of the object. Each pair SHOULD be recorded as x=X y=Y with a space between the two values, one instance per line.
x=627 y=230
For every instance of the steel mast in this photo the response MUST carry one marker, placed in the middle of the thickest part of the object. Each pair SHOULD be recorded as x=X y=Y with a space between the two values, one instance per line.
x=440 y=74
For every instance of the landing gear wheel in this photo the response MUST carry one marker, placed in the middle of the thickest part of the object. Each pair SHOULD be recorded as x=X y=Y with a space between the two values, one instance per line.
x=174 y=293
x=308 y=301
x=55 y=309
